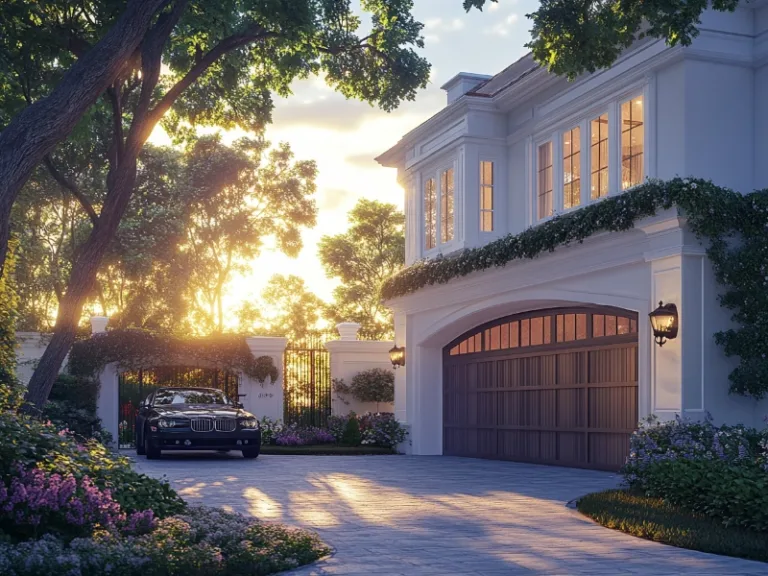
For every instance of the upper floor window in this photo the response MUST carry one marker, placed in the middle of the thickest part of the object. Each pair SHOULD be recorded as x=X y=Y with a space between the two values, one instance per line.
x=430 y=214
x=572 y=168
x=446 y=205
x=545 y=182
x=598 y=153
x=632 y=143
x=486 y=196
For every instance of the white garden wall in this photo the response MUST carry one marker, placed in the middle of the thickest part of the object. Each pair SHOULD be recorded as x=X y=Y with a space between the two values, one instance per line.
x=350 y=356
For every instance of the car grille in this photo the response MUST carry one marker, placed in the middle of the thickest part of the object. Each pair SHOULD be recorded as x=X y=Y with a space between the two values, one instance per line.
x=202 y=424
x=225 y=424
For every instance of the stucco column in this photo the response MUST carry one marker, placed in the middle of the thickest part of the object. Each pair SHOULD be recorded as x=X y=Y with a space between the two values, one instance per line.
x=676 y=269
x=348 y=358
x=265 y=398
x=108 y=403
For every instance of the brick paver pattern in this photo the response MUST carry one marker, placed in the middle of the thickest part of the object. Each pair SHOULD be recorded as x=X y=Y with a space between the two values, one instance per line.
x=429 y=516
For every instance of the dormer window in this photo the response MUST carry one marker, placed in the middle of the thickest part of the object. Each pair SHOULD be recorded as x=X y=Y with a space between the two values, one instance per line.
x=446 y=205
x=430 y=214
x=632 y=143
x=545 y=181
x=486 y=196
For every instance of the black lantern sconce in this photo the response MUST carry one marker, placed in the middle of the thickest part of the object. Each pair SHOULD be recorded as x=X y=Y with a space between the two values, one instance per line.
x=664 y=323
x=397 y=356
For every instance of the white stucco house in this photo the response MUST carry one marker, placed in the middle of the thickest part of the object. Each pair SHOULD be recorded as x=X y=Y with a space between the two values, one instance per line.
x=553 y=359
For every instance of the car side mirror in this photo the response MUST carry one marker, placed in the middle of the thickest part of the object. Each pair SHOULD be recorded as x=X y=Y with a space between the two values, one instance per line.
x=239 y=405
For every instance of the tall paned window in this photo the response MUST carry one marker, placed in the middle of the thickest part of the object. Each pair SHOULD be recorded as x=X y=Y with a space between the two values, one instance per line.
x=572 y=168
x=632 y=143
x=430 y=214
x=486 y=196
x=446 y=206
x=598 y=154
x=544 y=190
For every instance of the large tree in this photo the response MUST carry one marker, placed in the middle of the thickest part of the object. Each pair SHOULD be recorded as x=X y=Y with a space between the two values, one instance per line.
x=221 y=63
x=287 y=309
x=571 y=37
x=31 y=38
x=256 y=194
x=371 y=250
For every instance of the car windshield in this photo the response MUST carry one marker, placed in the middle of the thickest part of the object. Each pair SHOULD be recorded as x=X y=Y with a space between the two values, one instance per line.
x=163 y=397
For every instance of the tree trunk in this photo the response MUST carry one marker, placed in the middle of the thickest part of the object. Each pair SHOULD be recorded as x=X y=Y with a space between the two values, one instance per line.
x=80 y=286
x=34 y=132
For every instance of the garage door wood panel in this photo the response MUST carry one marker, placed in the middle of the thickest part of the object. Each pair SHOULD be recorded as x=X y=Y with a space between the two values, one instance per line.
x=555 y=387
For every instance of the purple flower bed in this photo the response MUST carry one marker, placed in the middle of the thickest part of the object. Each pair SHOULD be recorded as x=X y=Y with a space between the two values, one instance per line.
x=295 y=436
x=37 y=502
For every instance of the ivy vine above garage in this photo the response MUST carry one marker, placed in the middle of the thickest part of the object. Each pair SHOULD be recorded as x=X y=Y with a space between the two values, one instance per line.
x=135 y=349
x=733 y=226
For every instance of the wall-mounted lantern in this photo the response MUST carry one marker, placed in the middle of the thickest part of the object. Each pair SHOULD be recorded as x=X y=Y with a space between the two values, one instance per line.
x=664 y=323
x=397 y=356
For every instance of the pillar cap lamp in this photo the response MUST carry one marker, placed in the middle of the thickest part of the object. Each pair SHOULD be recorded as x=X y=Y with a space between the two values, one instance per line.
x=397 y=356
x=664 y=323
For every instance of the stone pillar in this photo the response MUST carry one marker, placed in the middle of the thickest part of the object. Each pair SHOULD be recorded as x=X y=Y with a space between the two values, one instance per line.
x=348 y=330
x=99 y=324
x=265 y=398
x=349 y=357
x=108 y=404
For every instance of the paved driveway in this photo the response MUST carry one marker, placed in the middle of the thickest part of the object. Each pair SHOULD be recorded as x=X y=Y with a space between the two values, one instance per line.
x=428 y=516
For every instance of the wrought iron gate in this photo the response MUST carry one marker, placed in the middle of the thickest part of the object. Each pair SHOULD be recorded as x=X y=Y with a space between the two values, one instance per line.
x=135 y=386
x=307 y=381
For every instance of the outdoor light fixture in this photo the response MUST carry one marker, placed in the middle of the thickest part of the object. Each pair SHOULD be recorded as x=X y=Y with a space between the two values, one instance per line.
x=397 y=356
x=664 y=323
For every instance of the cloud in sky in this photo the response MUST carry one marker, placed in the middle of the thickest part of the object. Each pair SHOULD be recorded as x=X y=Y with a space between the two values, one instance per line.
x=504 y=27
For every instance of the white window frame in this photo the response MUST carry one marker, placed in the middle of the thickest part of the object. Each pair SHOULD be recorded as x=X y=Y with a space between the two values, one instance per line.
x=494 y=200
x=435 y=171
x=557 y=164
x=610 y=105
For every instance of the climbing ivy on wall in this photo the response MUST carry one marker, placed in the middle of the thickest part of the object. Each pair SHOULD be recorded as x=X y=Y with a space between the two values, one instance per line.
x=134 y=349
x=733 y=226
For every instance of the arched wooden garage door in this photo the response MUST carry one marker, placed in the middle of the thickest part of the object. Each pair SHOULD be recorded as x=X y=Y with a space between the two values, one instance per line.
x=553 y=386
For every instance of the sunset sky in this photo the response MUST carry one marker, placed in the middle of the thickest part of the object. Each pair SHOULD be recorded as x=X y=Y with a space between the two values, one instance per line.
x=344 y=136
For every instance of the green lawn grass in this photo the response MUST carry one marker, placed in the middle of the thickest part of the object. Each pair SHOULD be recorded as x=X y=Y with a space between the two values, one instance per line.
x=653 y=519
x=325 y=450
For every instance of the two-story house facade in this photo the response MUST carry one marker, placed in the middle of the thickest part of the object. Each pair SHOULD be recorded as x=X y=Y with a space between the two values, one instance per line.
x=552 y=359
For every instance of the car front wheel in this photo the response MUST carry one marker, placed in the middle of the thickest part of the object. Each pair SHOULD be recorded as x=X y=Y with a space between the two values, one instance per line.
x=251 y=453
x=151 y=452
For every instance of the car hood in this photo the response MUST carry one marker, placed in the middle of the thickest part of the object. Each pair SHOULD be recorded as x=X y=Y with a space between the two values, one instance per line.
x=190 y=410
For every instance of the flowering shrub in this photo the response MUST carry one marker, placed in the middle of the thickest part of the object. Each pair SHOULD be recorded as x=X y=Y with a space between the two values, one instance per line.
x=269 y=430
x=381 y=430
x=202 y=542
x=294 y=435
x=37 y=502
x=719 y=471
x=29 y=443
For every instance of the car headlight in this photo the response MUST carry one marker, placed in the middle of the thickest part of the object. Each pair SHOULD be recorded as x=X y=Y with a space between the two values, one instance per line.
x=249 y=423
x=172 y=423
x=163 y=423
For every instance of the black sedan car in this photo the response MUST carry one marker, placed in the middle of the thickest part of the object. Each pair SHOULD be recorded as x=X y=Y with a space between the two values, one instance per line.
x=195 y=419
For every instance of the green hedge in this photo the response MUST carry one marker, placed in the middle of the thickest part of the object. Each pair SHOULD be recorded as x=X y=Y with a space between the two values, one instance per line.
x=660 y=521
x=735 y=493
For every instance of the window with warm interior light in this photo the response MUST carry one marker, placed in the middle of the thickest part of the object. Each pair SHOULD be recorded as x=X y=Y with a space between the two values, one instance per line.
x=572 y=168
x=632 y=142
x=598 y=154
x=486 y=196
x=544 y=186
x=430 y=214
x=446 y=205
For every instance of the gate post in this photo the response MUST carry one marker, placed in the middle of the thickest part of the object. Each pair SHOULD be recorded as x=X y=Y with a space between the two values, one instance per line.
x=107 y=407
x=350 y=356
x=265 y=399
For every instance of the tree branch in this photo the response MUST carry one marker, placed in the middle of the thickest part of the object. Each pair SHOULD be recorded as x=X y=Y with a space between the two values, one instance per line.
x=73 y=189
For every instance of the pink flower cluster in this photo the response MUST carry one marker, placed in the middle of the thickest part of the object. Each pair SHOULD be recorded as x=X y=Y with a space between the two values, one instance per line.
x=38 y=499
